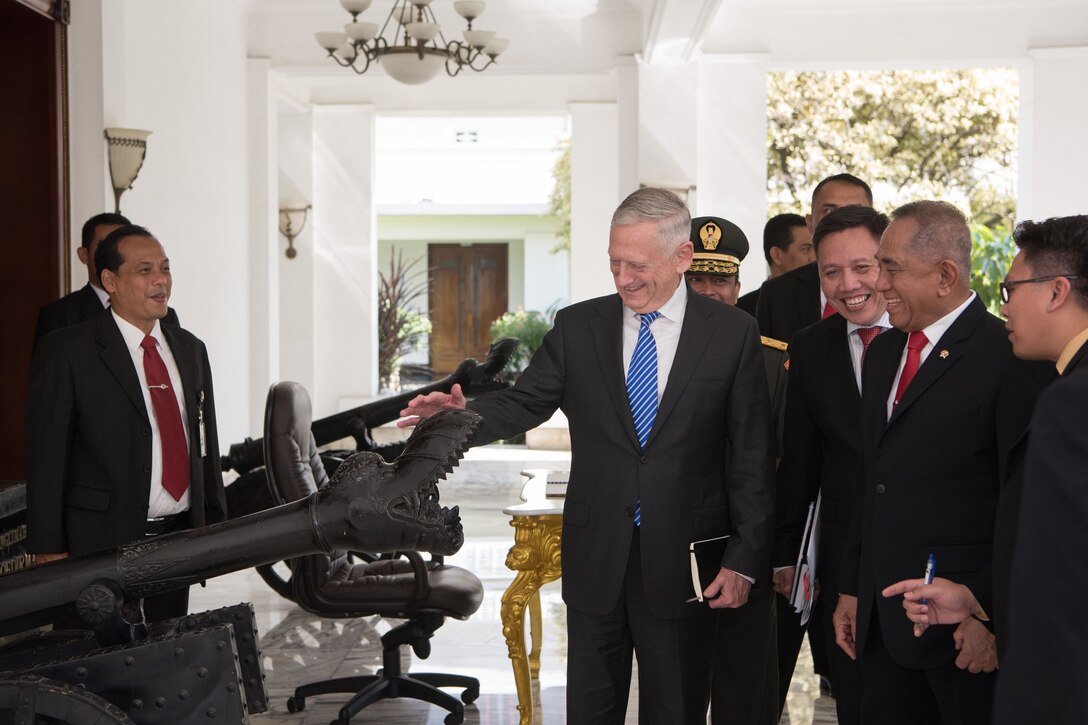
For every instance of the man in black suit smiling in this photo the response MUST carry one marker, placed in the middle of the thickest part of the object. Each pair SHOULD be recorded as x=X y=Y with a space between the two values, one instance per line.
x=90 y=300
x=823 y=434
x=121 y=432
x=942 y=405
x=794 y=300
x=657 y=461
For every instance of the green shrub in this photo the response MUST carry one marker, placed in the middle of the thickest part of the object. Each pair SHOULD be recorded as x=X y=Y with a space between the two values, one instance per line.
x=529 y=327
x=992 y=250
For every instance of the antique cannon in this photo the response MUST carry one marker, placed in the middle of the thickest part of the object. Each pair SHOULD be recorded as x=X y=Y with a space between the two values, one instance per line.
x=475 y=378
x=207 y=666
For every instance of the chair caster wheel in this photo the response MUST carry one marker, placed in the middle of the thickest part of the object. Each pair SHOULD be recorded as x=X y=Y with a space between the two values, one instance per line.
x=296 y=704
x=454 y=718
x=469 y=696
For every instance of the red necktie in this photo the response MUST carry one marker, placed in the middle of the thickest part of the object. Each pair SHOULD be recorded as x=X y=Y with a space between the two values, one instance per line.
x=915 y=343
x=867 y=335
x=175 y=452
x=828 y=311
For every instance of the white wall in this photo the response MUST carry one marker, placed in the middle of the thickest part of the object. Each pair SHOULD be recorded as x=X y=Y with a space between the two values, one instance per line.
x=345 y=257
x=1053 y=153
x=188 y=86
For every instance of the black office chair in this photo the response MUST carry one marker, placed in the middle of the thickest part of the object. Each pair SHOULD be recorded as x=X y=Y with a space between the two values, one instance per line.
x=423 y=593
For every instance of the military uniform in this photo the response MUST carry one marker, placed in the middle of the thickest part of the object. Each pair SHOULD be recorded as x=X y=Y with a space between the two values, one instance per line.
x=744 y=688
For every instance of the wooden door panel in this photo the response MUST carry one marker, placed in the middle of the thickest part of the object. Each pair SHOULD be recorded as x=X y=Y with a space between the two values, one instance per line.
x=468 y=292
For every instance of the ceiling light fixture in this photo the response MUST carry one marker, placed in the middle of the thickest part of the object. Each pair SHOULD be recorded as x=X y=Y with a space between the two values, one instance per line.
x=415 y=50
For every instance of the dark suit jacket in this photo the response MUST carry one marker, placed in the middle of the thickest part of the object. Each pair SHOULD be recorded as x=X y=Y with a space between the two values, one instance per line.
x=823 y=448
x=89 y=439
x=933 y=472
x=688 y=487
x=1044 y=672
x=76 y=307
x=749 y=301
x=776 y=363
x=789 y=302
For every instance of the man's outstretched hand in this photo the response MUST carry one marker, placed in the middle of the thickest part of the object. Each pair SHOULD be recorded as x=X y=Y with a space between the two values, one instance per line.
x=424 y=406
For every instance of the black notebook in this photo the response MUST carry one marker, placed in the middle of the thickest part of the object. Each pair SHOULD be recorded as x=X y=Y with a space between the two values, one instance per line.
x=706 y=561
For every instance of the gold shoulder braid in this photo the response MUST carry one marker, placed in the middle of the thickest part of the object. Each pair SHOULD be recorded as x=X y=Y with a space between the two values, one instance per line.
x=771 y=342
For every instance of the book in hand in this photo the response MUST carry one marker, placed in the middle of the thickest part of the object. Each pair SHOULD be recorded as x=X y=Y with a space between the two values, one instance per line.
x=706 y=561
x=556 y=485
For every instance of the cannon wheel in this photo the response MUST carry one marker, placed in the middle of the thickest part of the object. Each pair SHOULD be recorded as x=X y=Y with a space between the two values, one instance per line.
x=41 y=701
x=277 y=576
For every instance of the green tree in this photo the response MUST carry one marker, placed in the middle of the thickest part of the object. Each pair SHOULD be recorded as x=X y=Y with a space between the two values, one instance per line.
x=559 y=202
x=948 y=134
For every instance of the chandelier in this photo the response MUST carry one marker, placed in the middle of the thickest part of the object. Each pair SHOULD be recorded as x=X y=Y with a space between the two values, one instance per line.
x=415 y=50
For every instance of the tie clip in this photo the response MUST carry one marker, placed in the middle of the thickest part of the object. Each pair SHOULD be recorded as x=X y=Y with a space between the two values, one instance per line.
x=160 y=387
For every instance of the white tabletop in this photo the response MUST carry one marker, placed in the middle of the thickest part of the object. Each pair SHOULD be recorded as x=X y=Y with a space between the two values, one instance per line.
x=535 y=502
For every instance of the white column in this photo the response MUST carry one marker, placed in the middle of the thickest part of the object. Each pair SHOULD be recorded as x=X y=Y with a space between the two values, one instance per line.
x=1053 y=152
x=296 y=350
x=264 y=366
x=627 y=71
x=345 y=256
x=732 y=150
x=594 y=194
x=90 y=191
x=667 y=123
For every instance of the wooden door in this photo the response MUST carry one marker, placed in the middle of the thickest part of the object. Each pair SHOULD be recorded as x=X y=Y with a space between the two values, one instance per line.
x=467 y=293
x=33 y=197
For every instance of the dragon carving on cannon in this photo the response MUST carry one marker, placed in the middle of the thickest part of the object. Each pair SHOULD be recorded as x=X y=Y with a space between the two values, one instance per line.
x=206 y=666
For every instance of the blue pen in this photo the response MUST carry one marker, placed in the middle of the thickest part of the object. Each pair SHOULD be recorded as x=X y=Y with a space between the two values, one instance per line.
x=931 y=568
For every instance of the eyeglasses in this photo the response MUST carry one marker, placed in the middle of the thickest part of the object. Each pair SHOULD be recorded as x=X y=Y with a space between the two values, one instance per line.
x=1006 y=287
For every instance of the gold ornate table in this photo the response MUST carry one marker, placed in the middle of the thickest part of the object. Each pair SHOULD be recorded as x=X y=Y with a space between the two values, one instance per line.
x=535 y=556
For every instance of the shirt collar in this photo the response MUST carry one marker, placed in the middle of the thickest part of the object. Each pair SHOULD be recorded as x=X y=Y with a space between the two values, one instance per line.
x=1070 y=350
x=882 y=321
x=133 y=335
x=935 y=331
x=673 y=309
x=103 y=295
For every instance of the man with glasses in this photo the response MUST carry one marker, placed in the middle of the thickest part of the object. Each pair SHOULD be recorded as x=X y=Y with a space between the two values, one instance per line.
x=943 y=401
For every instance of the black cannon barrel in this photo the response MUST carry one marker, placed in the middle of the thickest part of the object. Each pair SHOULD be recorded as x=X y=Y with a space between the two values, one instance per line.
x=475 y=378
x=361 y=509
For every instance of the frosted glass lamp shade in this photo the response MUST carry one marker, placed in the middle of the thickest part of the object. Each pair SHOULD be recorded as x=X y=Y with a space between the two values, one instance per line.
x=478 y=38
x=405 y=65
x=496 y=46
x=361 y=32
x=469 y=9
x=422 y=31
x=331 y=41
x=127 y=148
x=355 y=6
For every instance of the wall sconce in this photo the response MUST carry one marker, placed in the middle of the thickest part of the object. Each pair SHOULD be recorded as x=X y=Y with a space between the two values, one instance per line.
x=127 y=147
x=292 y=221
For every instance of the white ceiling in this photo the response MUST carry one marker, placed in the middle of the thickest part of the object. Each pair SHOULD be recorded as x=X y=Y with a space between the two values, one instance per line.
x=571 y=48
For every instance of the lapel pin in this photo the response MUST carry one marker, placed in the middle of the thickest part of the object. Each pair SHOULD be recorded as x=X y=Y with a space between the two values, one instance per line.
x=944 y=354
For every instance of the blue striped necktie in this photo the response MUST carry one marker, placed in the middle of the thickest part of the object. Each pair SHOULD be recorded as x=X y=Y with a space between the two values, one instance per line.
x=642 y=386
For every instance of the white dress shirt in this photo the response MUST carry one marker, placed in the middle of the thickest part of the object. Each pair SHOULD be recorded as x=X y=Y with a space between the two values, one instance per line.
x=933 y=334
x=666 y=331
x=160 y=502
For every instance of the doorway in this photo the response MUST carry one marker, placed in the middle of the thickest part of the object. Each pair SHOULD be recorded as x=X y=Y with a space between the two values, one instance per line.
x=468 y=291
x=33 y=197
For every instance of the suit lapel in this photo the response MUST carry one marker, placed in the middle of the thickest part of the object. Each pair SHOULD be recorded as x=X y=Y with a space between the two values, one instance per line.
x=694 y=336
x=881 y=364
x=945 y=353
x=186 y=359
x=608 y=341
x=840 y=363
x=1080 y=357
x=807 y=305
x=90 y=307
x=118 y=361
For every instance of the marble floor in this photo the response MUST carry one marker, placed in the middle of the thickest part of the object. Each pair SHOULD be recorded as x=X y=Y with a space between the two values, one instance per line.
x=298 y=647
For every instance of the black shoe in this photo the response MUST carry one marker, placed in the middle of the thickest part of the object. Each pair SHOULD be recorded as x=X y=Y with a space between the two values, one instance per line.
x=825 y=687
